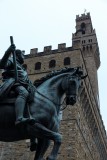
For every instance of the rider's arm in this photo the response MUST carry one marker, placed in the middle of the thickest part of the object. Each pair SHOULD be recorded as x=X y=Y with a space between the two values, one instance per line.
x=4 y=61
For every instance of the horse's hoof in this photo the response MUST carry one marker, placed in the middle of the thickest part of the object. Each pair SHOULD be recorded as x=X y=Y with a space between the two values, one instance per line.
x=33 y=147
x=50 y=158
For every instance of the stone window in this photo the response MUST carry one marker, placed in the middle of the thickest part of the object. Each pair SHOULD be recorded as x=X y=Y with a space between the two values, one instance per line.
x=67 y=61
x=83 y=48
x=83 y=27
x=37 y=65
x=83 y=41
x=90 y=40
x=52 y=63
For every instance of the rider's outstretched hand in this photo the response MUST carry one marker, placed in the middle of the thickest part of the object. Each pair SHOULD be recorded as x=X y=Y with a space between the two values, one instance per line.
x=11 y=49
x=4 y=59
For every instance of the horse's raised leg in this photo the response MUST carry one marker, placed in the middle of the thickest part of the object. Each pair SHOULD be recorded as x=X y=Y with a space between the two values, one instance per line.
x=42 y=146
x=40 y=131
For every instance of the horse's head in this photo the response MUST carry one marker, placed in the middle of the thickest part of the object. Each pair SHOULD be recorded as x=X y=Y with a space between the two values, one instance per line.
x=71 y=84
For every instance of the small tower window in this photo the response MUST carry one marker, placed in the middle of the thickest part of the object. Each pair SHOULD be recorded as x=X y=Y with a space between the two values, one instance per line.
x=67 y=61
x=38 y=66
x=90 y=40
x=83 y=48
x=52 y=63
x=90 y=47
x=83 y=27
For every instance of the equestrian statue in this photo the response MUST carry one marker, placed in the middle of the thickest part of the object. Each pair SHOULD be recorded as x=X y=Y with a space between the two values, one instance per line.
x=31 y=111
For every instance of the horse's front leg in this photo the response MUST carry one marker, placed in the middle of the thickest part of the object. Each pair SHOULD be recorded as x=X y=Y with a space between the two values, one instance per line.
x=42 y=146
x=54 y=153
x=39 y=130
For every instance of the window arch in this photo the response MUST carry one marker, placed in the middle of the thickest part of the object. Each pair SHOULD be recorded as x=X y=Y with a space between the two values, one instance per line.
x=67 y=61
x=83 y=48
x=37 y=65
x=52 y=63
x=83 y=27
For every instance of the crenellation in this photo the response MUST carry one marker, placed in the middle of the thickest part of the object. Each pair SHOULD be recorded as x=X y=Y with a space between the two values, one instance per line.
x=61 y=47
x=77 y=16
x=83 y=17
x=23 y=51
x=88 y=14
x=34 y=51
x=47 y=49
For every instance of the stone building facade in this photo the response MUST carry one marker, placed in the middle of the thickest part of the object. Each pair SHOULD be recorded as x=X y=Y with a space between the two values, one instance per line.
x=84 y=135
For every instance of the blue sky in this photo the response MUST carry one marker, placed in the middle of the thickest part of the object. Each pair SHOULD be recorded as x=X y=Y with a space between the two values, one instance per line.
x=39 y=23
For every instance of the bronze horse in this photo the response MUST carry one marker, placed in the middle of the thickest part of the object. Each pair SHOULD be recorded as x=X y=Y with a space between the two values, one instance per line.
x=45 y=108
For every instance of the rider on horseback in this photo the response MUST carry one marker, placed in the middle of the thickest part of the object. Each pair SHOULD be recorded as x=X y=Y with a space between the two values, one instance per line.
x=23 y=88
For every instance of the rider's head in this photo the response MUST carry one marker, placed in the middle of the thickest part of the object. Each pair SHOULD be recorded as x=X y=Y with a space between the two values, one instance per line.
x=20 y=56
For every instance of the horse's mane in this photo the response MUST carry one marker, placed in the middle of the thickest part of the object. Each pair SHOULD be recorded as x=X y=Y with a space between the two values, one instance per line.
x=52 y=74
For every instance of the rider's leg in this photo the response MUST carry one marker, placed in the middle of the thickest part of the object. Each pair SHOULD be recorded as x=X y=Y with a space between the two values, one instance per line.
x=20 y=105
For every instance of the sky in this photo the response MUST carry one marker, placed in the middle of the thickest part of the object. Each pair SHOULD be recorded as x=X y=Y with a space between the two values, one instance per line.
x=39 y=23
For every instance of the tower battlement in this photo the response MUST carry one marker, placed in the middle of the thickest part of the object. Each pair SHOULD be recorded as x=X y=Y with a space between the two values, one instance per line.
x=83 y=17
x=48 y=50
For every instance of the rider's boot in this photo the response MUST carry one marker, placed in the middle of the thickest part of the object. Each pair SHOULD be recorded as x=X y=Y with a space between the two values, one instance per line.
x=19 y=108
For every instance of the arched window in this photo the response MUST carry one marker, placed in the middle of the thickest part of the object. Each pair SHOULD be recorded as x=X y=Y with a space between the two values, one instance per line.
x=52 y=63
x=83 y=48
x=67 y=61
x=37 y=65
x=83 y=27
